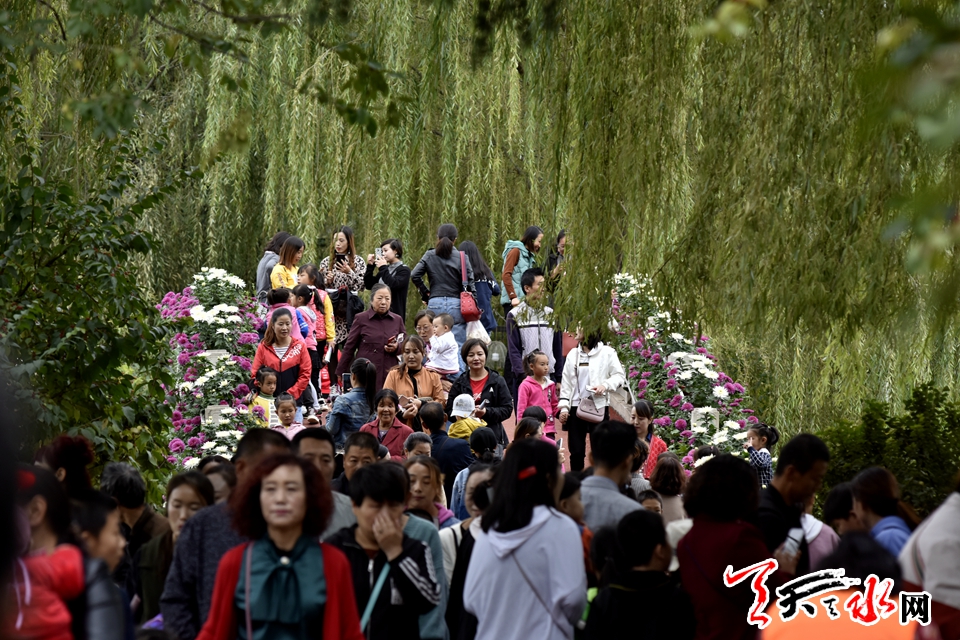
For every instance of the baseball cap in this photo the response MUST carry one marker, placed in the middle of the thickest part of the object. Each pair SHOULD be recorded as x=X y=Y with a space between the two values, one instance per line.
x=463 y=405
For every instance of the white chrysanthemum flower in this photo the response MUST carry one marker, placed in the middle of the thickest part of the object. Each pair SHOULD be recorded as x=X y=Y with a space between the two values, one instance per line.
x=199 y=278
x=719 y=437
x=686 y=341
x=698 y=429
x=677 y=336
x=228 y=411
x=740 y=436
x=720 y=392
x=711 y=375
x=202 y=380
x=210 y=444
x=223 y=331
x=702 y=460
x=186 y=386
x=730 y=424
x=205 y=269
x=224 y=434
x=222 y=449
x=191 y=463
x=224 y=383
x=685 y=375
x=234 y=319
x=237 y=434
x=223 y=421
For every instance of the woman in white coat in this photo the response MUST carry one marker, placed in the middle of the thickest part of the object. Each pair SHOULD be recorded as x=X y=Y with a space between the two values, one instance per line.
x=526 y=577
x=593 y=370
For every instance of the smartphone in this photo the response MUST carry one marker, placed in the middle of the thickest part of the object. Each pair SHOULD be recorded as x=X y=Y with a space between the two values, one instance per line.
x=398 y=338
x=404 y=401
x=346 y=381
x=794 y=538
x=482 y=405
x=560 y=443
x=378 y=252
x=341 y=257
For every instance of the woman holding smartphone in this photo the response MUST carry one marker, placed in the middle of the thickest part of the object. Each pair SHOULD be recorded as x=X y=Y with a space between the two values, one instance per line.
x=376 y=335
x=412 y=382
x=342 y=269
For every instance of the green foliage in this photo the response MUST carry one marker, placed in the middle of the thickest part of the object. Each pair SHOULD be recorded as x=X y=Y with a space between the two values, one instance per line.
x=80 y=343
x=921 y=447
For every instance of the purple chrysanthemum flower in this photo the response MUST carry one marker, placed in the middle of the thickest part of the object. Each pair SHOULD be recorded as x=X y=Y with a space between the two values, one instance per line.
x=686 y=407
x=176 y=445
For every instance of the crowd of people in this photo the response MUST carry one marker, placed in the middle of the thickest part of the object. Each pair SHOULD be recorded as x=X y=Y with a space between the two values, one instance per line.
x=451 y=539
x=385 y=499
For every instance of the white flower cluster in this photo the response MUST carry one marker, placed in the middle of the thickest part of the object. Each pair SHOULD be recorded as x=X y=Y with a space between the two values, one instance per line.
x=214 y=275
x=220 y=314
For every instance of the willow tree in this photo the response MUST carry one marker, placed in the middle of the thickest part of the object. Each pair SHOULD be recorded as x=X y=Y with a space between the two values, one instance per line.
x=743 y=176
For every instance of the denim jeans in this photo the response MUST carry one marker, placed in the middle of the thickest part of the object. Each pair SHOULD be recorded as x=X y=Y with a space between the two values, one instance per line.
x=452 y=306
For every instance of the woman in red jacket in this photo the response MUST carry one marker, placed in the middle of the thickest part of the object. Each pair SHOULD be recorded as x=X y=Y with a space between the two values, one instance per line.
x=387 y=428
x=283 y=353
x=285 y=583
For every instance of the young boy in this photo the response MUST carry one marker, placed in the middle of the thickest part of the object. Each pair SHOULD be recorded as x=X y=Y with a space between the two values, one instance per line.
x=641 y=583
x=444 y=348
x=529 y=328
x=651 y=501
x=379 y=493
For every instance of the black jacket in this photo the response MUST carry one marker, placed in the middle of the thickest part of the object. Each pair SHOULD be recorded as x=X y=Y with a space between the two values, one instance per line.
x=411 y=588
x=613 y=613
x=398 y=279
x=499 y=401
x=99 y=613
x=445 y=278
x=775 y=518
x=453 y=455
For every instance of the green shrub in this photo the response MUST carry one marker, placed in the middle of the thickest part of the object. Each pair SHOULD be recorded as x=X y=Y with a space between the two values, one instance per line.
x=921 y=447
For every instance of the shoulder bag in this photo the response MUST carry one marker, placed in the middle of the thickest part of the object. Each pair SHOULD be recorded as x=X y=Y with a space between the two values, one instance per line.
x=468 y=303
x=587 y=410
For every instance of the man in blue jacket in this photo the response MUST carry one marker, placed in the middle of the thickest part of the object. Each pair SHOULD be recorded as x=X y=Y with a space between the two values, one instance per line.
x=452 y=454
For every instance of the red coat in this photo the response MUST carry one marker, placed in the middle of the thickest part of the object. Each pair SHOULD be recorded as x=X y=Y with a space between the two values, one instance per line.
x=340 y=619
x=294 y=367
x=704 y=553
x=657 y=446
x=394 y=439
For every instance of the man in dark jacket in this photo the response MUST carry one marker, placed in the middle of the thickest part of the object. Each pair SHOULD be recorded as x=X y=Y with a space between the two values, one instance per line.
x=452 y=454
x=205 y=538
x=379 y=493
x=642 y=583
x=799 y=474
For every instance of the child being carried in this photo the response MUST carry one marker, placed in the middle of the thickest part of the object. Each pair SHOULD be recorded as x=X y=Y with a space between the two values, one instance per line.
x=444 y=349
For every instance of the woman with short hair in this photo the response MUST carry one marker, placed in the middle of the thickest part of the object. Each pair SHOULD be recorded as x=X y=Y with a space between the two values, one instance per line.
x=486 y=387
x=284 y=583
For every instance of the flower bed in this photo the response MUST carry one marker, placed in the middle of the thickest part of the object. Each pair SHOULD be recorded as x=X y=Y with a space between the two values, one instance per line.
x=695 y=404
x=215 y=314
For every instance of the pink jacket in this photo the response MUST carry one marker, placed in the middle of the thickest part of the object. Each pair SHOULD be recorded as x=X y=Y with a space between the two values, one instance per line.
x=309 y=314
x=532 y=394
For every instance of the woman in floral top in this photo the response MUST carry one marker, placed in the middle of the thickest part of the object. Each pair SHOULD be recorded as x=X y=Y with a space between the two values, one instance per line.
x=343 y=254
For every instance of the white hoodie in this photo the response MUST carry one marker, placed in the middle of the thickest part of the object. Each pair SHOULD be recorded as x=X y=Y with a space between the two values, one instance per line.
x=551 y=554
